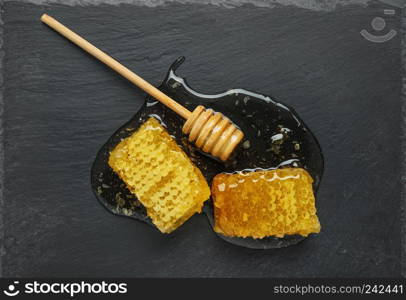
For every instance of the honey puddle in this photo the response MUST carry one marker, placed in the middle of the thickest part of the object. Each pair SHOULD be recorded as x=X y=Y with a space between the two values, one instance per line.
x=275 y=137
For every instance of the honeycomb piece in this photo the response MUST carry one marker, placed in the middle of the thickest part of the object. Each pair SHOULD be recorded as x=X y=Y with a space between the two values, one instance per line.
x=265 y=203
x=160 y=174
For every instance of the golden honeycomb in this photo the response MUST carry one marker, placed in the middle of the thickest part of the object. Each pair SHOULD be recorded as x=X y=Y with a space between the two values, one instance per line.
x=265 y=203
x=161 y=175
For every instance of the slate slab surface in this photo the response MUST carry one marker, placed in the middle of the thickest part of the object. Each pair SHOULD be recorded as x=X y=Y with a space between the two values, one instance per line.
x=60 y=106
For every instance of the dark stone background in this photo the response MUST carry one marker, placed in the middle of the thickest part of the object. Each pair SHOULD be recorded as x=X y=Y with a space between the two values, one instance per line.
x=60 y=106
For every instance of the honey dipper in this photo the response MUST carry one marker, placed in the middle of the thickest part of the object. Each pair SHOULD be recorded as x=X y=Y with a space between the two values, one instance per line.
x=211 y=131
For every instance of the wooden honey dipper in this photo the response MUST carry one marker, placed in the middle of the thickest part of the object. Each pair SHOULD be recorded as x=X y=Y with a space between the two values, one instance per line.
x=211 y=131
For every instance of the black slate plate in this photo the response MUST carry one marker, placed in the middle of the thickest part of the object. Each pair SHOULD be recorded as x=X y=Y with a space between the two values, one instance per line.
x=60 y=106
x=275 y=137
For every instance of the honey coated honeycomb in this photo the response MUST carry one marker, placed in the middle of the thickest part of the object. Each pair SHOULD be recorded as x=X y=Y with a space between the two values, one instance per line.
x=265 y=203
x=160 y=174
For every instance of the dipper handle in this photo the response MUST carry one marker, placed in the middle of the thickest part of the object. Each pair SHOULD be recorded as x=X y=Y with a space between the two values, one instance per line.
x=116 y=66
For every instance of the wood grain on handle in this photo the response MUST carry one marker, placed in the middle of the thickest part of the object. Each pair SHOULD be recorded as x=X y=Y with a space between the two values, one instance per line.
x=115 y=65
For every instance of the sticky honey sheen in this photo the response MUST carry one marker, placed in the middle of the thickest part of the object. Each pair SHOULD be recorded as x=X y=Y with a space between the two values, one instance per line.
x=161 y=175
x=265 y=203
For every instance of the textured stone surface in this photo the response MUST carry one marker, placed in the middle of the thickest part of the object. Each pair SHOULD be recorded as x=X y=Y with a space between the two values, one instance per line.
x=61 y=105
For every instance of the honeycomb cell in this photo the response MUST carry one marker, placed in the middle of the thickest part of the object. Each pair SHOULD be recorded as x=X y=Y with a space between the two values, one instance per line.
x=161 y=175
x=264 y=203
